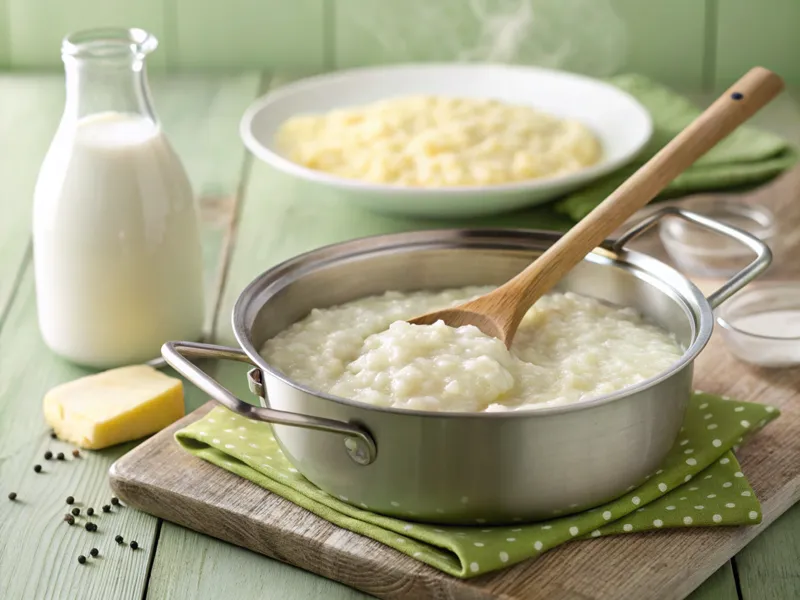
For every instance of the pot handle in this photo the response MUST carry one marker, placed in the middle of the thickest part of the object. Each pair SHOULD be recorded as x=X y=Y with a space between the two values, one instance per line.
x=358 y=443
x=735 y=283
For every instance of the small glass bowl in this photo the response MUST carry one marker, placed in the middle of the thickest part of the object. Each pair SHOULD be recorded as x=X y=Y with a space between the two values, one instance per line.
x=698 y=251
x=761 y=324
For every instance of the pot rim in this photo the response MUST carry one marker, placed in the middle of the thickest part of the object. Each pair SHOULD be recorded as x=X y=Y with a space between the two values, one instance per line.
x=442 y=238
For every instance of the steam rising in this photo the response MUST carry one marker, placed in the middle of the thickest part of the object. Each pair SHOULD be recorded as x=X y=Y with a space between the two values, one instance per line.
x=585 y=36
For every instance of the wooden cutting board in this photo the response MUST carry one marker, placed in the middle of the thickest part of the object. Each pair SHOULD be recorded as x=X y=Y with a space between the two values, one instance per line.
x=161 y=479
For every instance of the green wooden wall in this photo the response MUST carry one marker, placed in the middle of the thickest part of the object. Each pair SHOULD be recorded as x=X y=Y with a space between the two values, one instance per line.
x=686 y=43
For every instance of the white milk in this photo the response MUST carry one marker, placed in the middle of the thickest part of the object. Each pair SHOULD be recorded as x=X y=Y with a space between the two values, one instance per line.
x=117 y=254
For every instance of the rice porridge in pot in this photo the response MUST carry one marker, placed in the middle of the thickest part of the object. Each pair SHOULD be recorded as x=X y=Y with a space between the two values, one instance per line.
x=568 y=348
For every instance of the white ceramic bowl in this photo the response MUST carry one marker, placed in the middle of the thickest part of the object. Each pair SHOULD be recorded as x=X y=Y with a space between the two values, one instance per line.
x=622 y=125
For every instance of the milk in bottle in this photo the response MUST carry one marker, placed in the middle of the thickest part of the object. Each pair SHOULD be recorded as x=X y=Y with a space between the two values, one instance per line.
x=117 y=254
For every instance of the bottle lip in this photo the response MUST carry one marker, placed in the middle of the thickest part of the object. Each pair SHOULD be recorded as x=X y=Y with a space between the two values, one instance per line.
x=108 y=42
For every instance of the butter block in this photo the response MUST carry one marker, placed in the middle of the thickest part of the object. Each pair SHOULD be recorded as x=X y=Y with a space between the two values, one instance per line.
x=115 y=406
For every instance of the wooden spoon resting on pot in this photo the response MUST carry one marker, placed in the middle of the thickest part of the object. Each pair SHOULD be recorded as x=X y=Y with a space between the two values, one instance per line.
x=499 y=312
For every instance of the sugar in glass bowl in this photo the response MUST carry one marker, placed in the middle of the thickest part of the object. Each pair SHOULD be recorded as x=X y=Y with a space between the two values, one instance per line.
x=761 y=324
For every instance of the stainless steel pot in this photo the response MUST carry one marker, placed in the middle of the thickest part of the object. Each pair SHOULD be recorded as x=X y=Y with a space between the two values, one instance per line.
x=467 y=467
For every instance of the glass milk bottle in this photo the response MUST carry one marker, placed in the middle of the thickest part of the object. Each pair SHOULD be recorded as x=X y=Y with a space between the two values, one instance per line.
x=117 y=253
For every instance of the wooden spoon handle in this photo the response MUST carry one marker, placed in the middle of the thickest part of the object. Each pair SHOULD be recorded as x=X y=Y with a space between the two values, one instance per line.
x=730 y=110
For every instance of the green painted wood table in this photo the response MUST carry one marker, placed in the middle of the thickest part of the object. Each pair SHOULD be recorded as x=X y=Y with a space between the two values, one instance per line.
x=252 y=218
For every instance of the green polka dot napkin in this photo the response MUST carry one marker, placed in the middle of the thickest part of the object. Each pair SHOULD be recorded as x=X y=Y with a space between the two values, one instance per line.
x=699 y=484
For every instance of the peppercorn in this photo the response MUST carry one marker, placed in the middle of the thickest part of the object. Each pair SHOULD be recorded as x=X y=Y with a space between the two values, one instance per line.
x=69 y=519
x=70 y=500
x=48 y=455
x=94 y=552
x=60 y=456
x=12 y=496
x=88 y=527
x=76 y=453
x=134 y=545
x=53 y=435
x=106 y=508
x=37 y=468
x=115 y=501
x=90 y=511
x=118 y=539
x=82 y=559
x=76 y=511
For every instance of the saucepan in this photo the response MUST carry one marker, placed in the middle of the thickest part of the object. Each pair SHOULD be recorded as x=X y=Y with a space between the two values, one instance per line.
x=499 y=467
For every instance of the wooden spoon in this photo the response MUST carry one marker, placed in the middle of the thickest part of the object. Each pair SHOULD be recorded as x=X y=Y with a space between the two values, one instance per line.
x=499 y=312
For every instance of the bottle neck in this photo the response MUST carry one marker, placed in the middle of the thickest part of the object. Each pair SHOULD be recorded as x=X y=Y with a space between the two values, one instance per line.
x=105 y=72
x=102 y=85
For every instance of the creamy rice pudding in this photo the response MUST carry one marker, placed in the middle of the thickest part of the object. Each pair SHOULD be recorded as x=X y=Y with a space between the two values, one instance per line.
x=568 y=348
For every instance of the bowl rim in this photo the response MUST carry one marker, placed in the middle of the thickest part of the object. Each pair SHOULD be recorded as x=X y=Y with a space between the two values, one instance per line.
x=286 y=165
x=702 y=329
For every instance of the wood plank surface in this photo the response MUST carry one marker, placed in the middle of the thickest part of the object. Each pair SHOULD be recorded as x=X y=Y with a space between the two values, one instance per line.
x=720 y=586
x=34 y=541
x=768 y=567
x=37 y=551
x=192 y=565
